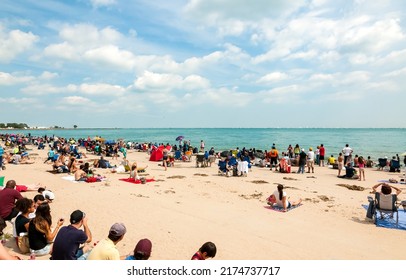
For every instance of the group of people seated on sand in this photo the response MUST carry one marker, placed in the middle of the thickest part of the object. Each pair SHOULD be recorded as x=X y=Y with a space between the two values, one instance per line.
x=36 y=233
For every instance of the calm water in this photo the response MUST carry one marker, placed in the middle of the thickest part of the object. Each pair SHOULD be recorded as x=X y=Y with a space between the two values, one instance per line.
x=376 y=142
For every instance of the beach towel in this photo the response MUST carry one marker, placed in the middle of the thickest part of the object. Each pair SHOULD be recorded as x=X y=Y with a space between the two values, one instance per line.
x=389 y=182
x=387 y=223
x=132 y=180
x=280 y=209
x=70 y=178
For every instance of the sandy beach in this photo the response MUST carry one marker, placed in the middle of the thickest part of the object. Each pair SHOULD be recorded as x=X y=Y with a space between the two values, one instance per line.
x=186 y=206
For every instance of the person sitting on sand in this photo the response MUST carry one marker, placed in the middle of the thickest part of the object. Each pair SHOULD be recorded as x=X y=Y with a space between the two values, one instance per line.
x=47 y=194
x=80 y=174
x=40 y=233
x=280 y=199
x=134 y=171
x=4 y=255
x=350 y=172
x=106 y=249
x=332 y=160
x=60 y=164
x=207 y=250
x=142 y=250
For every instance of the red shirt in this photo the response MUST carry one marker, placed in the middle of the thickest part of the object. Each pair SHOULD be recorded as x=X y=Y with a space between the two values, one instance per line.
x=322 y=151
x=7 y=201
x=198 y=257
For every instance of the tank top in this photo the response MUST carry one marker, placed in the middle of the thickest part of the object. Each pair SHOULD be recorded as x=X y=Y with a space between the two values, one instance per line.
x=37 y=239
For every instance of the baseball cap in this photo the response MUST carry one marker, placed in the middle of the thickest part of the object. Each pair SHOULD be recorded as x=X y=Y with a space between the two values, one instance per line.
x=143 y=248
x=76 y=216
x=118 y=229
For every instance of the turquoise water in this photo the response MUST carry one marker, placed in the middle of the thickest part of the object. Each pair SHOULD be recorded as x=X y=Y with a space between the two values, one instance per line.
x=374 y=142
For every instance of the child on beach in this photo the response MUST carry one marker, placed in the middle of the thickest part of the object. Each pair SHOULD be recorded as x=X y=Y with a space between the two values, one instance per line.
x=361 y=166
x=208 y=250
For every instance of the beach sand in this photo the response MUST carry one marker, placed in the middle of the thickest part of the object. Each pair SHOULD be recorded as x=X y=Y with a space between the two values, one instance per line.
x=186 y=206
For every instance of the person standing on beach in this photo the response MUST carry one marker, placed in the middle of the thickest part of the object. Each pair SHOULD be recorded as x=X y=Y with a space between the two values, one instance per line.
x=322 y=155
x=201 y=146
x=310 y=160
x=347 y=151
x=361 y=167
x=340 y=163
x=302 y=161
x=273 y=154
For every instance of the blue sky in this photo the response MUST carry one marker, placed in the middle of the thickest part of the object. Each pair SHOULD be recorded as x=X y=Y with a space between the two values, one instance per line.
x=203 y=63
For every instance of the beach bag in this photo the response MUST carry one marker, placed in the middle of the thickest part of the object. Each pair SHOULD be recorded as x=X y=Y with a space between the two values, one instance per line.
x=23 y=244
x=371 y=209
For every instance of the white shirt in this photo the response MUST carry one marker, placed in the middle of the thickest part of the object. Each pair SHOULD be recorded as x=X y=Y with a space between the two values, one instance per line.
x=310 y=155
x=347 y=151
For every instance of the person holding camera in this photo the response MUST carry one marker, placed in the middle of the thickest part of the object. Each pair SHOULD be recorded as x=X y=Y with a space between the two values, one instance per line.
x=40 y=234
x=71 y=239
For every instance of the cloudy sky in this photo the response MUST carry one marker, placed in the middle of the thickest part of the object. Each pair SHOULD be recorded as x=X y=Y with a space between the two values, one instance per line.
x=203 y=63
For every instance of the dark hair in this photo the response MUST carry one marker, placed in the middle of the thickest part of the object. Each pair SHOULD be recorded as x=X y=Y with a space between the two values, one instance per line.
x=43 y=213
x=361 y=159
x=114 y=238
x=209 y=248
x=24 y=204
x=40 y=190
x=11 y=184
x=39 y=197
x=386 y=189
x=280 y=190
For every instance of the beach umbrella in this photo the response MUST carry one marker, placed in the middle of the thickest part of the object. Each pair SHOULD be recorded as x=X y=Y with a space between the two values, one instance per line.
x=180 y=138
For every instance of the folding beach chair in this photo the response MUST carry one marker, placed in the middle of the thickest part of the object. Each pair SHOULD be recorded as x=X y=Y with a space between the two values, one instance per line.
x=382 y=163
x=387 y=207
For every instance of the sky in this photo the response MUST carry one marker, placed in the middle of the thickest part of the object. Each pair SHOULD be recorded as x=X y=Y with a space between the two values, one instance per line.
x=203 y=63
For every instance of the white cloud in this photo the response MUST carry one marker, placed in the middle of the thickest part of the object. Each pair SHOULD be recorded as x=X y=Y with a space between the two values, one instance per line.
x=111 y=56
x=101 y=3
x=15 y=42
x=7 y=79
x=75 y=100
x=272 y=77
x=101 y=89
x=46 y=75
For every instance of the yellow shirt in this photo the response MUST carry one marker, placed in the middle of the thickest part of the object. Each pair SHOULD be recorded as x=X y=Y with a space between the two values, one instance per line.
x=331 y=160
x=104 y=250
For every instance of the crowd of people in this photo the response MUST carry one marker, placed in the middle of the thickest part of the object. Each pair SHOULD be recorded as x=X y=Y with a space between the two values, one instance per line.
x=32 y=221
x=32 y=217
